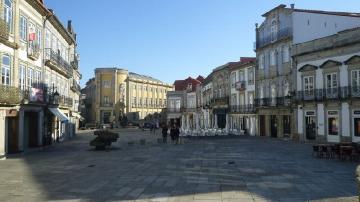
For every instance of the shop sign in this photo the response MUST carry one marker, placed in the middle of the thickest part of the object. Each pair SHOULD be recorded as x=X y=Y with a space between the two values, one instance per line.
x=357 y=112
x=310 y=113
x=36 y=95
x=332 y=112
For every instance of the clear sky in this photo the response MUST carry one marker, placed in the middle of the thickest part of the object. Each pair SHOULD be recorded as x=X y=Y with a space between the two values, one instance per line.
x=170 y=39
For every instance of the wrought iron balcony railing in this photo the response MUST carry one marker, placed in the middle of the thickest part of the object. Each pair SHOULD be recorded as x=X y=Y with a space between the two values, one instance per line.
x=75 y=61
x=106 y=104
x=281 y=34
x=220 y=100
x=240 y=85
x=174 y=110
x=75 y=87
x=273 y=102
x=249 y=108
x=57 y=63
x=10 y=95
x=4 y=31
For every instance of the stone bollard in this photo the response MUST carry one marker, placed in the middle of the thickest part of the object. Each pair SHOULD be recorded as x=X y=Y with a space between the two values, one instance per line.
x=358 y=180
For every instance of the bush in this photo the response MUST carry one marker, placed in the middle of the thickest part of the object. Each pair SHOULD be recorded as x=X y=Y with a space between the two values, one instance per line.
x=104 y=138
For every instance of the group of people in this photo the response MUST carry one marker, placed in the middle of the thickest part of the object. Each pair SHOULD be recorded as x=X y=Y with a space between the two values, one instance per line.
x=174 y=133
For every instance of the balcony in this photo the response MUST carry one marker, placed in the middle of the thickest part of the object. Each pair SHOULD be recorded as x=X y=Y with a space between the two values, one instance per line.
x=281 y=34
x=10 y=95
x=283 y=101
x=250 y=108
x=4 y=32
x=331 y=93
x=240 y=86
x=262 y=102
x=220 y=101
x=75 y=62
x=355 y=91
x=106 y=104
x=33 y=50
x=57 y=63
x=75 y=87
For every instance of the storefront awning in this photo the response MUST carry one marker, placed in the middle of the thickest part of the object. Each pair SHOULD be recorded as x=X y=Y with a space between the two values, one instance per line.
x=77 y=115
x=62 y=117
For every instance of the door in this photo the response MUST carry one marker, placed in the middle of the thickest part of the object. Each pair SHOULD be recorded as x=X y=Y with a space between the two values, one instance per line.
x=262 y=125
x=221 y=118
x=33 y=128
x=356 y=126
x=333 y=127
x=13 y=135
x=273 y=126
x=310 y=125
x=286 y=124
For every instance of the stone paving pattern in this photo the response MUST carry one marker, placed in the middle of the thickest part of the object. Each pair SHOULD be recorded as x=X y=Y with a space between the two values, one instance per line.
x=226 y=169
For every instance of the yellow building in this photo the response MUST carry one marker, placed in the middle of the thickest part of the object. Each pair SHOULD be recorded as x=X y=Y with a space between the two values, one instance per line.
x=120 y=92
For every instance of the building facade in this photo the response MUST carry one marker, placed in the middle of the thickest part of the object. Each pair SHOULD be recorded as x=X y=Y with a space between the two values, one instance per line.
x=242 y=112
x=121 y=93
x=39 y=77
x=282 y=28
x=328 y=83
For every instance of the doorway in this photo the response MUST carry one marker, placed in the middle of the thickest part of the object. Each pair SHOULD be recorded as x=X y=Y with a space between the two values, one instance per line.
x=32 y=127
x=262 y=125
x=310 y=124
x=13 y=134
x=286 y=124
x=273 y=126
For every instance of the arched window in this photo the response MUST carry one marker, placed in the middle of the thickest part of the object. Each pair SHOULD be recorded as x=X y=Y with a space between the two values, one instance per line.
x=273 y=30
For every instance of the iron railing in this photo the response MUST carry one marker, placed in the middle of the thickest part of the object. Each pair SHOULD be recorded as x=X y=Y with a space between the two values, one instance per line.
x=75 y=86
x=55 y=61
x=106 y=104
x=249 y=108
x=10 y=94
x=4 y=30
x=174 y=110
x=240 y=85
x=33 y=50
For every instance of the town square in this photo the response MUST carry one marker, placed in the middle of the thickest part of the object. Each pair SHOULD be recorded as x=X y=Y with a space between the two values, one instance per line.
x=192 y=101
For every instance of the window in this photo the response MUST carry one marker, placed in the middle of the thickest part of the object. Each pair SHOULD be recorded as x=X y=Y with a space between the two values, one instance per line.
x=106 y=100
x=331 y=81
x=261 y=90
x=8 y=14
x=29 y=78
x=38 y=37
x=47 y=39
x=106 y=84
x=233 y=79
x=23 y=28
x=241 y=76
x=309 y=85
x=261 y=61
x=141 y=102
x=233 y=99
x=286 y=88
x=5 y=70
x=251 y=98
x=272 y=58
x=285 y=54
x=22 y=77
x=37 y=79
x=273 y=30
x=189 y=86
x=134 y=102
x=355 y=81
x=251 y=76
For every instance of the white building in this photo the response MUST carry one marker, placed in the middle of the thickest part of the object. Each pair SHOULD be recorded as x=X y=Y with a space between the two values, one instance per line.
x=328 y=83
x=281 y=29
x=243 y=118
x=40 y=77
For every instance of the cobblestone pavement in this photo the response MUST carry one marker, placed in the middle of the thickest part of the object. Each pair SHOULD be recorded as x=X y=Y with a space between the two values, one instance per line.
x=226 y=169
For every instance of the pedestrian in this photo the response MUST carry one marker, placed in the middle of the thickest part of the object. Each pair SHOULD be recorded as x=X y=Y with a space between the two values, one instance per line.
x=172 y=133
x=177 y=134
x=164 y=132
x=154 y=128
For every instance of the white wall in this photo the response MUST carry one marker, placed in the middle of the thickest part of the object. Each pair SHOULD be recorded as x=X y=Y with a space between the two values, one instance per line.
x=316 y=29
x=345 y=120
x=2 y=133
x=320 y=119
x=300 y=120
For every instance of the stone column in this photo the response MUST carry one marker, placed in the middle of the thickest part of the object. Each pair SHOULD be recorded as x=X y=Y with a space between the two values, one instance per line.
x=21 y=130
x=2 y=133
x=227 y=123
x=216 y=120
x=197 y=122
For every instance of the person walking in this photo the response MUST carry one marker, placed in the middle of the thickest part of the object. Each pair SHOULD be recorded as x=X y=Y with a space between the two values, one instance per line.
x=177 y=134
x=172 y=133
x=164 y=132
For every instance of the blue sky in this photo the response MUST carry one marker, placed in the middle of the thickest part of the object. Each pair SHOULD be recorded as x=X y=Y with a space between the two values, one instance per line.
x=166 y=39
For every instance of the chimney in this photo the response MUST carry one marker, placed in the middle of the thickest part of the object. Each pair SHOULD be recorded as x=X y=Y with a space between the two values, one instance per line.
x=69 y=27
x=292 y=6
